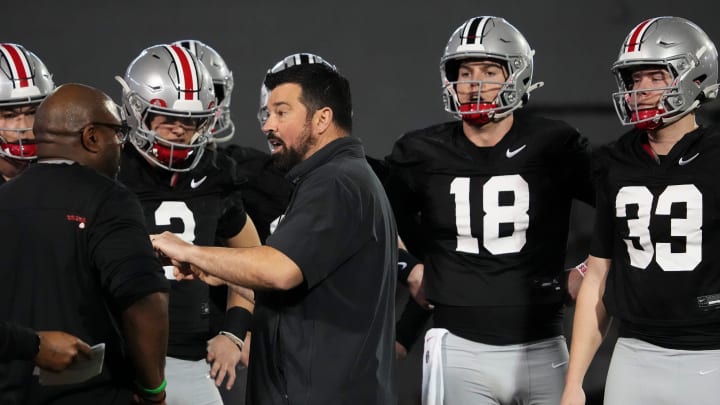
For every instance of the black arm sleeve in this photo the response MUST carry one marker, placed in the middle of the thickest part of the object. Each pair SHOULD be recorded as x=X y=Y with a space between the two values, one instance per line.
x=17 y=342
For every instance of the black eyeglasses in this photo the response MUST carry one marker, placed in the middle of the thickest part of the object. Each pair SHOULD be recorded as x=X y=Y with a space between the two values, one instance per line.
x=122 y=131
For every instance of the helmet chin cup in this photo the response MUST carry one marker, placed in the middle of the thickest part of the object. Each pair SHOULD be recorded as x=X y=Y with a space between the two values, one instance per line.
x=477 y=113
x=643 y=119
x=170 y=155
x=18 y=150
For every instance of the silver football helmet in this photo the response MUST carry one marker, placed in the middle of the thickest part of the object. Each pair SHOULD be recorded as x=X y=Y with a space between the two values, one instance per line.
x=24 y=80
x=685 y=51
x=302 y=58
x=495 y=39
x=169 y=80
x=222 y=80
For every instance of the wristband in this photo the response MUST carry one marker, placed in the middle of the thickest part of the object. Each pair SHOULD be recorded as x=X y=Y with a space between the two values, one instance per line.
x=237 y=321
x=581 y=268
x=406 y=262
x=146 y=400
x=154 y=391
x=238 y=342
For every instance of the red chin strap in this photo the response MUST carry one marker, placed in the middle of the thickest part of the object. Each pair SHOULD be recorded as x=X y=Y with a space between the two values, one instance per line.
x=647 y=114
x=24 y=150
x=167 y=155
x=477 y=113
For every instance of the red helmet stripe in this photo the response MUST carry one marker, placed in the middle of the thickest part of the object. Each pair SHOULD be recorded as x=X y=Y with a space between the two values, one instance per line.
x=635 y=37
x=187 y=72
x=18 y=64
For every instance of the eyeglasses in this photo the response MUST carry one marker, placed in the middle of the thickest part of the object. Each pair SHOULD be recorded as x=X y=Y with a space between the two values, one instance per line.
x=121 y=131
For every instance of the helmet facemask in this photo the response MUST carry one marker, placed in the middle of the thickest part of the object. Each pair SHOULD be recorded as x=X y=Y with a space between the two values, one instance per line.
x=224 y=128
x=169 y=155
x=477 y=111
x=672 y=104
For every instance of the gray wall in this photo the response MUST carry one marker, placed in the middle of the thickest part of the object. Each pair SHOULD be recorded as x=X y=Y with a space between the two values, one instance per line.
x=389 y=49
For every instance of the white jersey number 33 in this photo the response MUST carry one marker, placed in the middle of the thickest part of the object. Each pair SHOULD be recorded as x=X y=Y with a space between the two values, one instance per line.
x=688 y=228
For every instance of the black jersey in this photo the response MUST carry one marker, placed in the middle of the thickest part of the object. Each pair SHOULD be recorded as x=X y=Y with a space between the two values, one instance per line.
x=494 y=220
x=198 y=206
x=265 y=190
x=75 y=256
x=660 y=225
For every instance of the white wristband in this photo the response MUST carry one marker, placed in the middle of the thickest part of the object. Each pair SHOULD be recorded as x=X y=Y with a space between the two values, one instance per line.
x=581 y=268
x=238 y=342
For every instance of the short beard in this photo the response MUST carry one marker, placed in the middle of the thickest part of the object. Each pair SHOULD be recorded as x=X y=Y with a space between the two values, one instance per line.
x=291 y=157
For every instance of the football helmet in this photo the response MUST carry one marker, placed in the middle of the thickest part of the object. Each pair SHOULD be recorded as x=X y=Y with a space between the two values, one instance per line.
x=302 y=58
x=222 y=78
x=24 y=80
x=495 y=39
x=169 y=80
x=685 y=51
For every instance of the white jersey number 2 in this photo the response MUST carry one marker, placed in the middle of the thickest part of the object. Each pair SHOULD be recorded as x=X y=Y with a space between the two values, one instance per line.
x=689 y=228
x=494 y=214
x=176 y=209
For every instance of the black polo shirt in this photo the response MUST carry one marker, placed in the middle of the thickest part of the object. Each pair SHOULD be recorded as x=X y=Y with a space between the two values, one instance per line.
x=76 y=254
x=330 y=340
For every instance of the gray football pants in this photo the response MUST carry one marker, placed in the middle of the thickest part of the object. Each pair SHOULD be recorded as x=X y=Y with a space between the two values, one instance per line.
x=189 y=383
x=522 y=374
x=642 y=373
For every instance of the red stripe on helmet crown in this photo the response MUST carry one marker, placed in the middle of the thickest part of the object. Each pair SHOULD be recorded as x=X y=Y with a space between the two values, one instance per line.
x=633 y=42
x=189 y=86
x=17 y=61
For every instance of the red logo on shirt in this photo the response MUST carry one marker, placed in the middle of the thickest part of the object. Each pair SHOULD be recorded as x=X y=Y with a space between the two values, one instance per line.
x=76 y=218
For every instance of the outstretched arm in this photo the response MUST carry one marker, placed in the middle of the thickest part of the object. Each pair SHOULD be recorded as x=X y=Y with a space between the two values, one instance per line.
x=589 y=327
x=256 y=267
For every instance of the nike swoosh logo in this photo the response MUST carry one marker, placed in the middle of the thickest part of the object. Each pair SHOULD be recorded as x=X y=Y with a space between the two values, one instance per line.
x=706 y=372
x=683 y=162
x=195 y=184
x=556 y=365
x=511 y=153
x=402 y=266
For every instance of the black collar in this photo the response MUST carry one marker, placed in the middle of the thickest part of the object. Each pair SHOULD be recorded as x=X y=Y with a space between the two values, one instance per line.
x=346 y=145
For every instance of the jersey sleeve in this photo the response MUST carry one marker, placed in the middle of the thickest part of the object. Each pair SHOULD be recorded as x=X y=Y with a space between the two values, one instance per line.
x=602 y=240
x=233 y=218
x=121 y=251
x=579 y=165
x=320 y=230
x=405 y=200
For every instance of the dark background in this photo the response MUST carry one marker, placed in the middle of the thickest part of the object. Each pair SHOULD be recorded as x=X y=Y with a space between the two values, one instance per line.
x=389 y=50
